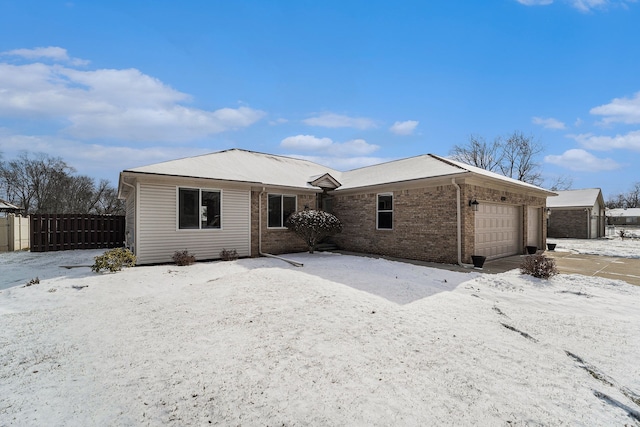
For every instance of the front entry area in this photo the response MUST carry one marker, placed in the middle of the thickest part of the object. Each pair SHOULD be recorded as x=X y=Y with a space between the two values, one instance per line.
x=497 y=230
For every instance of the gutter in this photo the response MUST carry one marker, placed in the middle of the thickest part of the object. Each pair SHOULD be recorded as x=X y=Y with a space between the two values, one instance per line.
x=459 y=224
x=294 y=263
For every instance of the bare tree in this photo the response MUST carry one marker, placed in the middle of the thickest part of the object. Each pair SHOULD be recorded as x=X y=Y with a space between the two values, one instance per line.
x=630 y=199
x=43 y=184
x=478 y=152
x=514 y=156
x=27 y=181
x=615 y=201
x=519 y=159
x=107 y=201
x=562 y=182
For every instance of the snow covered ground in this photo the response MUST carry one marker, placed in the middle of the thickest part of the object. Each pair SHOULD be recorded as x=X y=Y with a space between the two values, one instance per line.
x=608 y=246
x=343 y=340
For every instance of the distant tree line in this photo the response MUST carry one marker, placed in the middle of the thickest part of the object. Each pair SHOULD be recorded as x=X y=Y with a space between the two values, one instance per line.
x=630 y=199
x=42 y=184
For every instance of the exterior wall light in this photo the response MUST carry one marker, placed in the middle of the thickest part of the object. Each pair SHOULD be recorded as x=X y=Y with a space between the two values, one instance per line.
x=548 y=212
x=474 y=205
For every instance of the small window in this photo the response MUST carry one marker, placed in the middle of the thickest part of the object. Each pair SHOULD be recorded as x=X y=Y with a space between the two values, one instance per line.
x=280 y=207
x=385 y=211
x=199 y=209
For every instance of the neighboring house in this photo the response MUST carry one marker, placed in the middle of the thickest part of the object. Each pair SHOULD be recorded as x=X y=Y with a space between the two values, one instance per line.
x=624 y=217
x=424 y=208
x=577 y=214
x=6 y=207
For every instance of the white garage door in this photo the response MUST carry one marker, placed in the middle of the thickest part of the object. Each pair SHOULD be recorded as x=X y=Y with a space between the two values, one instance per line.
x=497 y=230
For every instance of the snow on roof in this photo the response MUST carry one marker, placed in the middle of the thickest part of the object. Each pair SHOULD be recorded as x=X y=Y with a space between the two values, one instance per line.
x=574 y=198
x=269 y=169
x=621 y=212
x=493 y=175
x=244 y=166
x=7 y=206
x=424 y=166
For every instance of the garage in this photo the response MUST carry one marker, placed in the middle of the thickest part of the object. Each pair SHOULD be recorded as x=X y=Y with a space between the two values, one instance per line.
x=497 y=230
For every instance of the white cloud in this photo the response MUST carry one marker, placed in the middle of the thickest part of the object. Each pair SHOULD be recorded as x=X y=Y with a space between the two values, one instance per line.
x=581 y=5
x=620 y=110
x=588 y=5
x=278 y=121
x=306 y=142
x=549 y=123
x=404 y=128
x=355 y=147
x=52 y=52
x=108 y=103
x=580 y=160
x=630 y=141
x=535 y=2
x=331 y=120
x=89 y=159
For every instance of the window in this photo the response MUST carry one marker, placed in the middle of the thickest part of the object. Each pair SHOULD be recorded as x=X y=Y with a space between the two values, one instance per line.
x=385 y=211
x=280 y=207
x=198 y=209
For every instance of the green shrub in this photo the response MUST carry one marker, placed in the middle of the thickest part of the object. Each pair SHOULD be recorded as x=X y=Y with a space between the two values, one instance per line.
x=313 y=226
x=226 y=255
x=113 y=260
x=183 y=258
x=539 y=266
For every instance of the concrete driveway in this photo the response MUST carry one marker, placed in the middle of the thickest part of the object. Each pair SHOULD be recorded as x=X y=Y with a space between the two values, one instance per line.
x=627 y=269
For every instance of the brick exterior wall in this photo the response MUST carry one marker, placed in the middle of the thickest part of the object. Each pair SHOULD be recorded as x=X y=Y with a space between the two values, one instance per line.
x=424 y=221
x=424 y=224
x=568 y=223
x=276 y=241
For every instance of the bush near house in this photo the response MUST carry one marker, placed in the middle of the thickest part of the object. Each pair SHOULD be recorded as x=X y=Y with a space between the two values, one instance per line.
x=183 y=258
x=113 y=260
x=539 y=266
x=228 y=255
x=313 y=226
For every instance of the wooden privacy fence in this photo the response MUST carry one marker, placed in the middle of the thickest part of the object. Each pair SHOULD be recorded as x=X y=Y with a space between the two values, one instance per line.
x=53 y=232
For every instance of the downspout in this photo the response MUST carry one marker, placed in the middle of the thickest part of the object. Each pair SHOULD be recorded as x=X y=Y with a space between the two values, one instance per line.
x=459 y=224
x=588 y=222
x=135 y=226
x=294 y=263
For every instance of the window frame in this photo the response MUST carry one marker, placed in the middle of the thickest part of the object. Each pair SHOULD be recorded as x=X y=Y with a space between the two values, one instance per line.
x=200 y=191
x=282 y=217
x=379 y=211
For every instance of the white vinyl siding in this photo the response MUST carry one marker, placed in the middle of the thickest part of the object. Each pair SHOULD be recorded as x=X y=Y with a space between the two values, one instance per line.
x=159 y=238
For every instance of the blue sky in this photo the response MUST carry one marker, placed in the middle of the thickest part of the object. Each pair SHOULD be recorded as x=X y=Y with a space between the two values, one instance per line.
x=110 y=85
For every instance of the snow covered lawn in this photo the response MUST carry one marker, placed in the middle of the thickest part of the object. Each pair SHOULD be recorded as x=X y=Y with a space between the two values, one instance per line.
x=341 y=341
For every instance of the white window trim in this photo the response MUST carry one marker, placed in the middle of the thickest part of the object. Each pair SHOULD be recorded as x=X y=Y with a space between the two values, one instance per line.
x=385 y=210
x=282 y=196
x=199 y=229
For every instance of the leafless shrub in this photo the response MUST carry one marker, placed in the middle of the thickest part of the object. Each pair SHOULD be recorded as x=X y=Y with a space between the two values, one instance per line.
x=539 y=266
x=183 y=258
